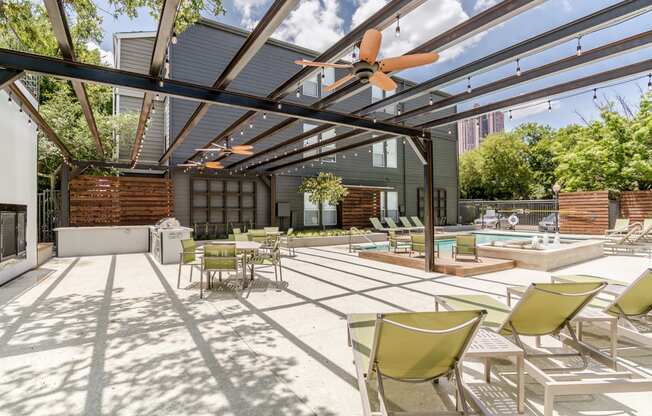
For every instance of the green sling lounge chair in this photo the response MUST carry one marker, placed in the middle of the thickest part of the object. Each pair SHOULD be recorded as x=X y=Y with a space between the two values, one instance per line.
x=392 y=224
x=465 y=245
x=407 y=224
x=547 y=309
x=417 y=222
x=620 y=227
x=377 y=225
x=410 y=347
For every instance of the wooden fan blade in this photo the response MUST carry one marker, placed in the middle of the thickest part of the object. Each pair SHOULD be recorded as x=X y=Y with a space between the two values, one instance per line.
x=338 y=83
x=407 y=61
x=370 y=45
x=243 y=147
x=203 y=149
x=382 y=81
x=320 y=64
x=214 y=165
x=243 y=152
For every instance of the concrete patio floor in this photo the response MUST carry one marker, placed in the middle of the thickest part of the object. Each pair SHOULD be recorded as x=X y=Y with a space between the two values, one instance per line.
x=113 y=335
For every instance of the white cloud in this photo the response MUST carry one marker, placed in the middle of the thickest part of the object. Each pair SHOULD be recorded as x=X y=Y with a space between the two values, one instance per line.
x=481 y=5
x=106 y=57
x=247 y=9
x=315 y=24
x=364 y=9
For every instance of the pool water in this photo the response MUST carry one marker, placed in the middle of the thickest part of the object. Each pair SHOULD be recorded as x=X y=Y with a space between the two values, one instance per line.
x=446 y=246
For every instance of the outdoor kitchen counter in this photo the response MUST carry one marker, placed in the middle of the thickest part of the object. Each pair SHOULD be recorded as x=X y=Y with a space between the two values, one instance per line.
x=102 y=240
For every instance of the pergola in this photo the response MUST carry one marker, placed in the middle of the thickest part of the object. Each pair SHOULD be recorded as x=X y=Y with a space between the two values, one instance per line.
x=361 y=122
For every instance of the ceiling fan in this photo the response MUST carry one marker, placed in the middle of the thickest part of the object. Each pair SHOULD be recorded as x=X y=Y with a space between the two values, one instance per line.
x=367 y=69
x=208 y=165
x=245 y=149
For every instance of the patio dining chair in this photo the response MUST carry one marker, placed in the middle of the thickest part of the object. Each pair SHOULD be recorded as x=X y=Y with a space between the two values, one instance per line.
x=187 y=257
x=257 y=235
x=410 y=347
x=241 y=237
x=217 y=258
x=271 y=229
x=465 y=245
x=547 y=309
x=418 y=244
x=270 y=258
x=288 y=241
x=397 y=242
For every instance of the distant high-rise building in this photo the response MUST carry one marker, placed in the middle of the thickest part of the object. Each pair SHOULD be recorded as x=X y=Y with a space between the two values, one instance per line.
x=471 y=132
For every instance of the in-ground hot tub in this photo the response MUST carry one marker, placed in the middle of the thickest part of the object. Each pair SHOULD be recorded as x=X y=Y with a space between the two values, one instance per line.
x=546 y=258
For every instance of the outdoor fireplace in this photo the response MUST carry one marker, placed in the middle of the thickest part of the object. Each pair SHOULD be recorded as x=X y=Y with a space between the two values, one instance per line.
x=13 y=223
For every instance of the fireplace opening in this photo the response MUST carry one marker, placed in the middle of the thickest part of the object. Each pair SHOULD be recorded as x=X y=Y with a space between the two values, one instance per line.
x=13 y=231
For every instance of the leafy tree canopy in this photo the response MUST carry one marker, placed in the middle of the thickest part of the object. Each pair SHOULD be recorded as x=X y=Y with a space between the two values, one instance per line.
x=325 y=188
x=613 y=153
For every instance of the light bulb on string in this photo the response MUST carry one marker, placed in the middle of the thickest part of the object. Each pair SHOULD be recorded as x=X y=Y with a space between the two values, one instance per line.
x=264 y=116
x=298 y=93
x=649 y=82
x=468 y=85
x=578 y=51
x=595 y=94
x=549 y=106
x=510 y=114
x=174 y=38
x=518 y=67
x=397 y=32
x=430 y=100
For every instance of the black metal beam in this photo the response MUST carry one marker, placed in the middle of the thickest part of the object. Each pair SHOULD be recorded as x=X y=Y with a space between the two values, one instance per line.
x=592 y=56
x=39 y=120
x=379 y=20
x=8 y=76
x=602 y=18
x=481 y=22
x=256 y=39
x=84 y=164
x=641 y=68
x=141 y=82
x=57 y=14
x=161 y=42
x=429 y=212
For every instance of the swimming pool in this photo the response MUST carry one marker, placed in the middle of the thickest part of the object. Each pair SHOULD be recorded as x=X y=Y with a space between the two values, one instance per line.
x=445 y=246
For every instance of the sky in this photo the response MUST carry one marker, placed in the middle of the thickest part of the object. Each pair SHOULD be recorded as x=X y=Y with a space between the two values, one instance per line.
x=317 y=24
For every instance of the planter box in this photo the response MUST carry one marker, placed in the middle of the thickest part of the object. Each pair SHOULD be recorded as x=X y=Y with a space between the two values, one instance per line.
x=336 y=240
x=548 y=259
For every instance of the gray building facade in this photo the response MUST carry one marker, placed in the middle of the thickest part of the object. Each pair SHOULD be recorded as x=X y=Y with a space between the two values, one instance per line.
x=216 y=198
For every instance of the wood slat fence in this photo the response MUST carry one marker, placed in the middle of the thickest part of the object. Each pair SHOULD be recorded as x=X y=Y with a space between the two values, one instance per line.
x=109 y=200
x=358 y=206
x=636 y=205
x=584 y=212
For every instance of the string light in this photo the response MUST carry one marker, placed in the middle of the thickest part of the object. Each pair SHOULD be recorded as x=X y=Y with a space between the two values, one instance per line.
x=9 y=99
x=468 y=85
x=279 y=106
x=251 y=125
x=174 y=38
x=323 y=73
x=595 y=94
x=375 y=120
x=579 y=46
x=398 y=26
x=264 y=116
x=298 y=92
x=649 y=82
x=518 y=67
x=430 y=100
x=549 y=106
x=510 y=114
x=398 y=109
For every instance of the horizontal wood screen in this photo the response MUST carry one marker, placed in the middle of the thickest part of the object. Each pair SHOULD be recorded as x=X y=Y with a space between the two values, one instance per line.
x=358 y=206
x=636 y=205
x=584 y=212
x=109 y=200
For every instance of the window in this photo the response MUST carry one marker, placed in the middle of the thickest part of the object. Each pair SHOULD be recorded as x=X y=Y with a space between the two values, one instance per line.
x=310 y=86
x=311 y=213
x=378 y=94
x=309 y=140
x=327 y=79
x=439 y=204
x=389 y=204
x=384 y=154
x=328 y=134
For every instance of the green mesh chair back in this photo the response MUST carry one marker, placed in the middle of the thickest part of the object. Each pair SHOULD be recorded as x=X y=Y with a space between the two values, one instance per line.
x=391 y=223
x=418 y=242
x=621 y=224
x=545 y=308
x=420 y=346
x=271 y=229
x=188 y=247
x=237 y=231
x=376 y=223
x=241 y=237
x=465 y=244
x=636 y=299
x=257 y=235
x=406 y=223
x=417 y=222
x=220 y=257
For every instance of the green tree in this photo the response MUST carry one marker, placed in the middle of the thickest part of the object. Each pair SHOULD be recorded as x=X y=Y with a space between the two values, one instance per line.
x=325 y=188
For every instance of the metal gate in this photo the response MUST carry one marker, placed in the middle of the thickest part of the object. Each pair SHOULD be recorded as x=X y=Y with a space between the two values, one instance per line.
x=49 y=210
x=529 y=212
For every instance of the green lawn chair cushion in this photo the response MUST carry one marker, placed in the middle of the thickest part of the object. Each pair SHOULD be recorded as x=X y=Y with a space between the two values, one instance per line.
x=271 y=229
x=465 y=244
x=417 y=221
x=390 y=222
x=584 y=278
x=636 y=300
x=408 y=355
x=241 y=237
x=188 y=247
x=236 y=231
x=546 y=307
x=406 y=223
x=418 y=242
x=376 y=223
x=220 y=257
